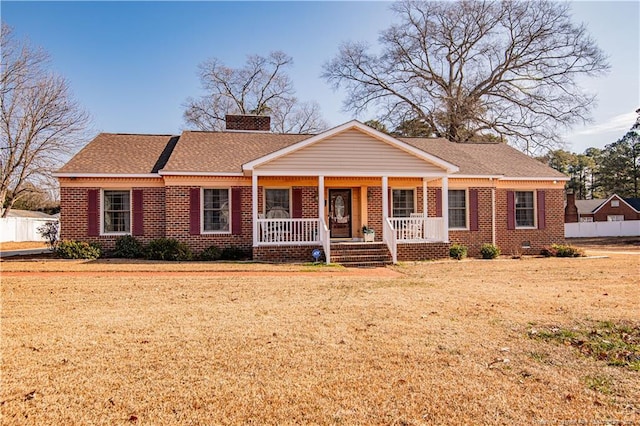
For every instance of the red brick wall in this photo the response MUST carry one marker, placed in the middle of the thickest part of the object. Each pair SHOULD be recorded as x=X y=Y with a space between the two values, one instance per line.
x=474 y=239
x=374 y=210
x=309 y=202
x=177 y=223
x=423 y=251
x=511 y=241
x=284 y=254
x=622 y=209
x=73 y=216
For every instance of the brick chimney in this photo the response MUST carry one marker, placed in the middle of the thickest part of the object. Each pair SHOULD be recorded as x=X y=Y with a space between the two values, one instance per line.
x=258 y=123
x=570 y=210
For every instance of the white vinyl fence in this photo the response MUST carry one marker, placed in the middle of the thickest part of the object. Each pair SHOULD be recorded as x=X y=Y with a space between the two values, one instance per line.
x=626 y=228
x=21 y=228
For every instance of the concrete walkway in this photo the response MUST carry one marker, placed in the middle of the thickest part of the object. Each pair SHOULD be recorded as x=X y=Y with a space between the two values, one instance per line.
x=27 y=252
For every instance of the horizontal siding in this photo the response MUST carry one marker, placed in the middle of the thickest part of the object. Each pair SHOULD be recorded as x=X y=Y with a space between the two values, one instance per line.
x=351 y=151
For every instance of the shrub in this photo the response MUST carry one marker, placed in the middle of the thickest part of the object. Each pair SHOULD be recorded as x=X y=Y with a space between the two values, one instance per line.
x=77 y=250
x=210 y=253
x=234 y=253
x=50 y=231
x=458 y=251
x=128 y=247
x=167 y=249
x=562 y=250
x=489 y=251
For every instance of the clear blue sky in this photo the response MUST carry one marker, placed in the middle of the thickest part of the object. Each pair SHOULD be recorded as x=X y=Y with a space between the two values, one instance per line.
x=133 y=64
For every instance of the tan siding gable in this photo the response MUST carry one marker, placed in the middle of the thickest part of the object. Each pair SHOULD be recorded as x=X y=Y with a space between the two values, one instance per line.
x=350 y=151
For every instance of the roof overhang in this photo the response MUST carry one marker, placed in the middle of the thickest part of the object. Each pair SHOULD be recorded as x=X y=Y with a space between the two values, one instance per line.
x=179 y=173
x=249 y=167
x=107 y=175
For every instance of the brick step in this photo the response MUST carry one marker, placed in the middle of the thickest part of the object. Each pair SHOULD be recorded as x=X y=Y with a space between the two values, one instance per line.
x=365 y=264
x=361 y=255
x=361 y=258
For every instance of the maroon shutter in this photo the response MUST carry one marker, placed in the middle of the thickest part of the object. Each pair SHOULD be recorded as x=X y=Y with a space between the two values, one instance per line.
x=296 y=195
x=390 y=203
x=438 y=202
x=473 y=209
x=138 y=215
x=511 y=210
x=236 y=211
x=194 y=211
x=542 y=219
x=93 y=213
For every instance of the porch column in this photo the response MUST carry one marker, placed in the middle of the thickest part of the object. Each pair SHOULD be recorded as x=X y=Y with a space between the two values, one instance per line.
x=445 y=207
x=385 y=204
x=425 y=207
x=320 y=197
x=254 y=207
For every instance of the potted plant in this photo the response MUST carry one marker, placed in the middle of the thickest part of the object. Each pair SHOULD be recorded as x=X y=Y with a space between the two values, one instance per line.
x=369 y=234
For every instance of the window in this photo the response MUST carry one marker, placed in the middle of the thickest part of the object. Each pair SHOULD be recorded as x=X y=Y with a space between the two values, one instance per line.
x=524 y=209
x=116 y=212
x=215 y=210
x=457 y=208
x=276 y=205
x=615 y=218
x=586 y=219
x=615 y=203
x=402 y=202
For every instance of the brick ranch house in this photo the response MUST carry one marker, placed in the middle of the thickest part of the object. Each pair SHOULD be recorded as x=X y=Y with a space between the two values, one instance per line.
x=283 y=195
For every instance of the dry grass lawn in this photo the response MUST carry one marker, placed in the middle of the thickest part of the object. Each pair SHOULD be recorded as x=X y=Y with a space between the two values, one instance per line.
x=425 y=343
x=22 y=245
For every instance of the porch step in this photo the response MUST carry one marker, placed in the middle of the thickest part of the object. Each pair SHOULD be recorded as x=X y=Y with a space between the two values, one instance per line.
x=361 y=254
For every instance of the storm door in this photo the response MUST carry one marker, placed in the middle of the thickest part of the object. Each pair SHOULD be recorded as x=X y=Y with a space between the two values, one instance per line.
x=340 y=213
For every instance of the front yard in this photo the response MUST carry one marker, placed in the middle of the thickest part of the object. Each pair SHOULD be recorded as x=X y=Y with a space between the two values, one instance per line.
x=112 y=342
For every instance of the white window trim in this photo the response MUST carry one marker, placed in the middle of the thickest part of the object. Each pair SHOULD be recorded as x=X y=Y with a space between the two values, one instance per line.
x=405 y=188
x=535 y=209
x=466 y=210
x=109 y=234
x=264 y=198
x=202 y=231
x=618 y=218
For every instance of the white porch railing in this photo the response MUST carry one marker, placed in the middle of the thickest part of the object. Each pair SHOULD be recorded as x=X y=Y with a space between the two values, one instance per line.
x=389 y=238
x=417 y=229
x=288 y=231
x=325 y=239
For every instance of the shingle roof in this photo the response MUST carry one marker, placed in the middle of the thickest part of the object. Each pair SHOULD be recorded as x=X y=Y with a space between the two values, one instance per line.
x=588 y=206
x=485 y=158
x=226 y=152
x=114 y=153
x=634 y=202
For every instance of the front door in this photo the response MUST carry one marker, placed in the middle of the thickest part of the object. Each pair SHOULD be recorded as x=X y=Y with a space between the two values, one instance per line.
x=340 y=213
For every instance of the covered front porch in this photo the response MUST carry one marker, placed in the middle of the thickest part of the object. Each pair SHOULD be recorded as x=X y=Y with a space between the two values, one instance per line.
x=342 y=180
x=321 y=211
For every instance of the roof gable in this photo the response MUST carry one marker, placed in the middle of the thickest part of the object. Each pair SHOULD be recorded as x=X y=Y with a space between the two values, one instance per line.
x=352 y=148
x=605 y=202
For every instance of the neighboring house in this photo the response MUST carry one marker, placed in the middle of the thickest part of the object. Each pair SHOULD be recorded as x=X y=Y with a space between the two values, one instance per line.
x=612 y=209
x=282 y=195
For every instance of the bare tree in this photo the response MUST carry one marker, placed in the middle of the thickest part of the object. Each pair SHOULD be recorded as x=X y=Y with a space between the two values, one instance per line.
x=40 y=124
x=470 y=68
x=260 y=87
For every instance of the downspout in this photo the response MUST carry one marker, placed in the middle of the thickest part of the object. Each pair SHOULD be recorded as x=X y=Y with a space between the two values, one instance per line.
x=493 y=214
